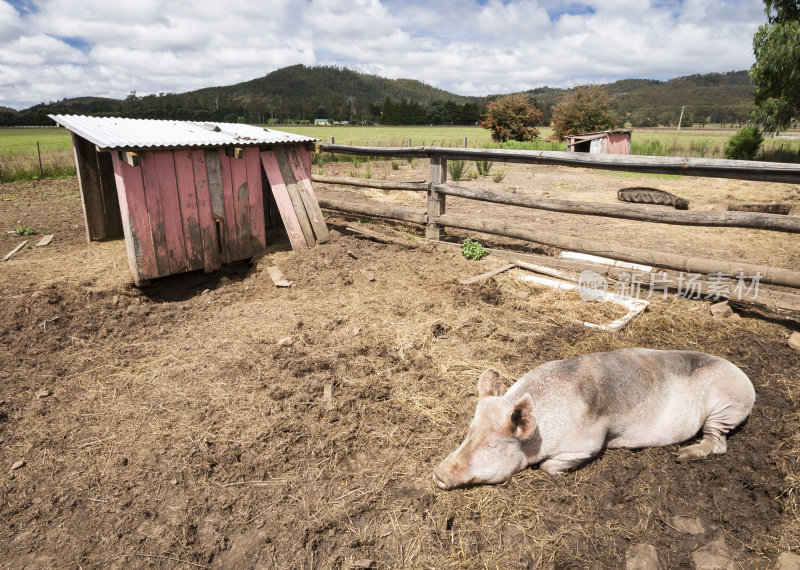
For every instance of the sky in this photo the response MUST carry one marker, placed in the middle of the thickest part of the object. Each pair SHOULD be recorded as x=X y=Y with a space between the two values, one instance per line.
x=56 y=49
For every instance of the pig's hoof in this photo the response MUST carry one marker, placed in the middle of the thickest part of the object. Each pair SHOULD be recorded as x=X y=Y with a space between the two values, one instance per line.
x=692 y=453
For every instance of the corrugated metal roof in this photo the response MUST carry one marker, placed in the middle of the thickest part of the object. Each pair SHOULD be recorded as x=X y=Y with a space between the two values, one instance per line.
x=122 y=133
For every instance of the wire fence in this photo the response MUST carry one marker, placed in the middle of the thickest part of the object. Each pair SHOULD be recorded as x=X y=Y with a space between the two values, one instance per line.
x=34 y=161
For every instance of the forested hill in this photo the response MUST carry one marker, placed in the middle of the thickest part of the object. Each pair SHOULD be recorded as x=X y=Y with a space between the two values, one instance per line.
x=302 y=94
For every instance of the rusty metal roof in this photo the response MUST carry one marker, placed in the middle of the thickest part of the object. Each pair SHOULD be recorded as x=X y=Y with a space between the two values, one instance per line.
x=123 y=133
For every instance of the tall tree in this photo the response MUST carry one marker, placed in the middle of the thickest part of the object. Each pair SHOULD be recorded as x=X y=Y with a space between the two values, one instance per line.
x=584 y=109
x=776 y=73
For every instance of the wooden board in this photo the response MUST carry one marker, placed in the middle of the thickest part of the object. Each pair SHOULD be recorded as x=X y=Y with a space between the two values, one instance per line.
x=241 y=201
x=109 y=193
x=306 y=190
x=231 y=248
x=170 y=210
x=15 y=250
x=135 y=221
x=89 y=184
x=256 y=197
x=193 y=240
x=153 y=210
x=294 y=195
x=205 y=215
x=283 y=201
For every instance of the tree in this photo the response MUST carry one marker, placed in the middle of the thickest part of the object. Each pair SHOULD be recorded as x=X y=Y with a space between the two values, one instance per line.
x=584 y=109
x=776 y=73
x=512 y=117
x=744 y=145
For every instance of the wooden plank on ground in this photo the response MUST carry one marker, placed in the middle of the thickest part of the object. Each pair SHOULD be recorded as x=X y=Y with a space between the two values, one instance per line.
x=190 y=219
x=283 y=201
x=307 y=193
x=170 y=210
x=241 y=201
x=135 y=220
x=294 y=195
x=277 y=277
x=544 y=270
x=256 y=196
x=153 y=209
x=15 y=250
x=488 y=274
x=45 y=240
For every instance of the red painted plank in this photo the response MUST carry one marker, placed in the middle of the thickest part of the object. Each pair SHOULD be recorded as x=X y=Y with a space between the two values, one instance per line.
x=307 y=194
x=135 y=221
x=256 y=196
x=305 y=157
x=281 y=195
x=184 y=175
x=153 y=201
x=208 y=228
x=170 y=210
x=231 y=252
x=241 y=201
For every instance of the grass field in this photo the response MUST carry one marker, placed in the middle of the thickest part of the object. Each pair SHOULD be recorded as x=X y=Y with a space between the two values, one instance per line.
x=19 y=159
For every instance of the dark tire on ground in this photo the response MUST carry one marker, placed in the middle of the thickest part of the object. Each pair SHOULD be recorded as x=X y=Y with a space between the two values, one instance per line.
x=644 y=195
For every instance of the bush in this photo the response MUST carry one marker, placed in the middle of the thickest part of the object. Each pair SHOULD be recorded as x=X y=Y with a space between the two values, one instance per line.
x=744 y=145
x=512 y=117
x=473 y=249
x=483 y=166
x=456 y=169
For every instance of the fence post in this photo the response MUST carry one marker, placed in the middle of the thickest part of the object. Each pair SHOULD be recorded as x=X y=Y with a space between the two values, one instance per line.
x=39 y=152
x=465 y=142
x=436 y=201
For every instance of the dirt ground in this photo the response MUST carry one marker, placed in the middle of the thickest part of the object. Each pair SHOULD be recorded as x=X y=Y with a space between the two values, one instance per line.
x=217 y=421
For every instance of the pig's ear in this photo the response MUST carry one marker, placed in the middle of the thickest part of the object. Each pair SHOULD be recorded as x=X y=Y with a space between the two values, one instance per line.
x=490 y=384
x=523 y=424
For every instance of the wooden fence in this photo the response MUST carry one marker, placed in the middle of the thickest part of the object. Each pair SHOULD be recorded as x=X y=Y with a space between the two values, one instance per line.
x=435 y=217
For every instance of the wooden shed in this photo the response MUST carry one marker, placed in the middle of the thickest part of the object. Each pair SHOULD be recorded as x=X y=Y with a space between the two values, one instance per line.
x=190 y=196
x=602 y=142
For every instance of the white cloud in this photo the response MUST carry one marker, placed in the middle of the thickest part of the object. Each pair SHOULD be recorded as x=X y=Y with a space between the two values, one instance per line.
x=67 y=48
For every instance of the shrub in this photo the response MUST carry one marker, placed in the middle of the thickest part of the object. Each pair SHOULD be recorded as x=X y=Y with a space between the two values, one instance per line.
x=500 y=174
x=473 y=249
x=744 y=145
x=456 y=169
x=512 y=117
x=483 y=167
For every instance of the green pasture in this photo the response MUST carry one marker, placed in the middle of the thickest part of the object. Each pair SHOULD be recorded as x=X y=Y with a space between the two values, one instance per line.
x=19 y=159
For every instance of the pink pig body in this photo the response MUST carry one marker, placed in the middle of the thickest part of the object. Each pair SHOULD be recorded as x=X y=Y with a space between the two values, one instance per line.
x=563 y=413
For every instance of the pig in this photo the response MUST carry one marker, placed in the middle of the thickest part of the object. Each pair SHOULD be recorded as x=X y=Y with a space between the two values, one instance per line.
x=563 y=413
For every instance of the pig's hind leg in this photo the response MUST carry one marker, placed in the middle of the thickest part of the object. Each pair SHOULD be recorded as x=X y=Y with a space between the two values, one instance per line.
x=715 y=430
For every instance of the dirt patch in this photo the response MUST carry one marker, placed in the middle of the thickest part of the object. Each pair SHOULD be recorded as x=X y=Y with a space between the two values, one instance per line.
x=180 y=432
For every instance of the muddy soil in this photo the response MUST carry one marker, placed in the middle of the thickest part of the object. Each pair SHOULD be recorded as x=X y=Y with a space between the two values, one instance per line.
x=217 y=421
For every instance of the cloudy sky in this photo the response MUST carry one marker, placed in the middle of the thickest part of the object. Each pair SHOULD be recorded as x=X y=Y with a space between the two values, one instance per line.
x=52 y=49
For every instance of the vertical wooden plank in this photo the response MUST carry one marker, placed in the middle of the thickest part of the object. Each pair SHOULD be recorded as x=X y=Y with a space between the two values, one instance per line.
x=135 y=221
x=153 y=200
x=283 y=201
x=294 y=194
x=170 y=210
x=307 y=194
x=231 y=246
x=205 y=214
x=241 y=202
x=89 y=184
x=193 y=240
x=109 y=192
x=256 y=196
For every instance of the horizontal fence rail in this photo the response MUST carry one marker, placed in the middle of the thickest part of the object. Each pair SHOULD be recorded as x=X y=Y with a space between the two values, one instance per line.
x=704 y=167
x=435 y=217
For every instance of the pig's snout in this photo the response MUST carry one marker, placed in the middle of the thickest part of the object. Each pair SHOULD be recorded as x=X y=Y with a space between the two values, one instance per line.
x=439 y=481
